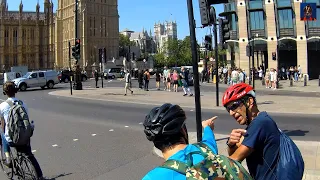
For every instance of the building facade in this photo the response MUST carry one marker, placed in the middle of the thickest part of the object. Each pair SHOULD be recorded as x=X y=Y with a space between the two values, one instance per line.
x=143 y=40
x=27 y=38
x=162 y=32
x=273 y=27
x=98 y=27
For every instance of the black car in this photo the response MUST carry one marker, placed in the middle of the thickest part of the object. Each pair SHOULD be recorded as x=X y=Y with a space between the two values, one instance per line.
x=64 y=76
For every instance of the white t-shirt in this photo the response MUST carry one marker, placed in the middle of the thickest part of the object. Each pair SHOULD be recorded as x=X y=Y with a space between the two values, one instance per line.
x=271 y=76
x=234 y=74
x=260 y=73
x=4 y=110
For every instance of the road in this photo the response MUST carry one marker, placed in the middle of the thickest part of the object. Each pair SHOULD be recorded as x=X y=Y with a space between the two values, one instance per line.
x=89 y=139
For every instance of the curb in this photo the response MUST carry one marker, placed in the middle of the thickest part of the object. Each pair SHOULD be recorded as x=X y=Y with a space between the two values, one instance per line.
x=220 y=108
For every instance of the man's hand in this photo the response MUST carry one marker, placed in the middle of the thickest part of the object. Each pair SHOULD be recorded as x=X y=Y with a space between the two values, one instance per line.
x=209 y=122
x=236 y=136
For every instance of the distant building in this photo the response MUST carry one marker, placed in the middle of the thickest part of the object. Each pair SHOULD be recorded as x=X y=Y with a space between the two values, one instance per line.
x=163 y=32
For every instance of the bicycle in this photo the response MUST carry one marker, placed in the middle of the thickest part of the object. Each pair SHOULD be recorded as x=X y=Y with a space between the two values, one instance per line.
x=21 y=165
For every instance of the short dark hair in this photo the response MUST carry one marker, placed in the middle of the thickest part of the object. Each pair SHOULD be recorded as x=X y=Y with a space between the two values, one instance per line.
x=165 y=142
x=9 y=88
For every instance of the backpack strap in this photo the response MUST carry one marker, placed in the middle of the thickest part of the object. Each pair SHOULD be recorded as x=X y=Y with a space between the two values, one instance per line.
x=205 y=149
x=175 y=165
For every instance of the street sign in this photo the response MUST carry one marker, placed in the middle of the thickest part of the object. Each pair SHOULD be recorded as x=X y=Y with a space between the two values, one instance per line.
x=202 y=49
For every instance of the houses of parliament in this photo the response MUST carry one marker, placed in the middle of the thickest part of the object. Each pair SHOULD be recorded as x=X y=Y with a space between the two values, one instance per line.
x=40 y=39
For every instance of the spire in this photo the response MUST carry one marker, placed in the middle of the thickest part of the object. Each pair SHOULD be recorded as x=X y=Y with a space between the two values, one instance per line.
x=21 y=7
x=150 y=33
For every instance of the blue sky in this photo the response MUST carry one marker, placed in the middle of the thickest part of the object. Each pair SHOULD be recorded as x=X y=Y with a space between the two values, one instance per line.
x=143 y=14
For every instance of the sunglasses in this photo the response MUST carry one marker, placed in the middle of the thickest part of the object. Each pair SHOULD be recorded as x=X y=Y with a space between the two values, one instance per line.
x=234 y=106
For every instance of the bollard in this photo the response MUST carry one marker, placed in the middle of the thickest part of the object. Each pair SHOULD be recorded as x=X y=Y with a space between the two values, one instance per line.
x=214 y=79
x=305 y=80
x=291 y=81
x=319 y=80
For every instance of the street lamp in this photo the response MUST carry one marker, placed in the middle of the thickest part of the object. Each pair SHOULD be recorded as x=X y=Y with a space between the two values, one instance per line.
x=252 y=72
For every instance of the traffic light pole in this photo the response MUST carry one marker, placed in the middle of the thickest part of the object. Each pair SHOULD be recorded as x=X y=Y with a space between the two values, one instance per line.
x=70 y=68
x=77 y=71
x=216 y=57
x=192 y=27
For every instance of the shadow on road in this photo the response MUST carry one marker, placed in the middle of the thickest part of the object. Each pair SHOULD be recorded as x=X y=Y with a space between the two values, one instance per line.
x=265 y=102
x=295 y=132
x=39 y=89
x=58 y=176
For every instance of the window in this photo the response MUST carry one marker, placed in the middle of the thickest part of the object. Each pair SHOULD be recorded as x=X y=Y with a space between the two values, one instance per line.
x=6 y=37
x=256 y=20
x=233 y=23
x=285 y=18
x=94 y=26
x=34 y=75
x=313 y=24
x=15 y=37
x=41 y=74
x=284 y=3
x=105 y=27
x=15 y=60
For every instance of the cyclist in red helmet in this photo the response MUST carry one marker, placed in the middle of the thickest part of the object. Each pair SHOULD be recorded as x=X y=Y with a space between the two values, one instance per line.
x=259 y=142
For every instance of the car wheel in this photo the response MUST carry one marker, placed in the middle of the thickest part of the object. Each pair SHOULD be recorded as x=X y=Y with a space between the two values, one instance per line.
x=50 y=85
x=66 y=80
x=113 y=76
x=23 y=87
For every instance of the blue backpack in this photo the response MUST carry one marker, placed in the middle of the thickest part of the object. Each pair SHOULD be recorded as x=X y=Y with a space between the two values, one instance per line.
x=290 y=164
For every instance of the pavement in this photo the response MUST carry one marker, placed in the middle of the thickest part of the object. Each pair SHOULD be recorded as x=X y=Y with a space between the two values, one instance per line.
x=270 y=103
x=309 y=150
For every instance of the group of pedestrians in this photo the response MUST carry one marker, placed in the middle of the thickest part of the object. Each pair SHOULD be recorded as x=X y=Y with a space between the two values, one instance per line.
x=269 y=153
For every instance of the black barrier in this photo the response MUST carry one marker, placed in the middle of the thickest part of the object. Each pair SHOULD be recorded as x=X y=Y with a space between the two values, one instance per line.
x=305 y=80
x=291 y=81
x=319 y=80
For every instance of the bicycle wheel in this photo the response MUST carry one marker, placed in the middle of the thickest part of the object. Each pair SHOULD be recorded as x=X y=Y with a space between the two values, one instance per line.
x=26 y=169
x=7 y=171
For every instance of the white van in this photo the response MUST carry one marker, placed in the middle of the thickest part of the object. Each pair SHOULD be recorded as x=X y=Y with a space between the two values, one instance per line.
x=9 y=76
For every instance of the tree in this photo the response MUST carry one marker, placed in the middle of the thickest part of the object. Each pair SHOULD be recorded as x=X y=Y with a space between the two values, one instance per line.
x=124 y=41
x=160 y=60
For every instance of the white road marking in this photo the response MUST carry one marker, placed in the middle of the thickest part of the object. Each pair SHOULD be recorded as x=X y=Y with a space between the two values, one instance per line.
x=110 y=81
x=191 y=110
x=55 y=145
x=140 y=122
x=75 y=139
x=33 y=151
x=111 y=130
x=93 y=134
x=126 y=126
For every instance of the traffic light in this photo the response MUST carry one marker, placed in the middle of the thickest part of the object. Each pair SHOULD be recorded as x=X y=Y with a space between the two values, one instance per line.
x=207 y=13
x=208 y=42
x=76 y=50
x=224 y=30
x=105 y=55
x=274 y=56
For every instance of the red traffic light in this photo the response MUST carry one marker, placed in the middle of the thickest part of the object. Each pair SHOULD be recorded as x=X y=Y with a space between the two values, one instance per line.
x=78 y=41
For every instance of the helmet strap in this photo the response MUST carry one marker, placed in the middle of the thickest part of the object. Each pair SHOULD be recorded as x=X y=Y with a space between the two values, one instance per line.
x=244 y=101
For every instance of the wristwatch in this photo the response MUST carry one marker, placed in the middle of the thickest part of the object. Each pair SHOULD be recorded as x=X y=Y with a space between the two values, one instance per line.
x=230 y=146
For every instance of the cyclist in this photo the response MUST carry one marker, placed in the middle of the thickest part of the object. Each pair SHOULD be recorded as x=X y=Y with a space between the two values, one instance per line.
x=10 y=90
x=165 y=127
x=259 y=143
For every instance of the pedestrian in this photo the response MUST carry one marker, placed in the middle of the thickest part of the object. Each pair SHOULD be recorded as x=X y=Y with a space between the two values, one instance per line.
x=146 y=78
x=128 y=81
x=158 y=78
x=260 y=142
x=140 y=79
x=185 y=85
x=96 y=77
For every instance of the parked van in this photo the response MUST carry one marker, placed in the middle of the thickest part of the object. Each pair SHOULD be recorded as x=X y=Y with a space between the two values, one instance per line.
x=37 y=79
x=113 y=73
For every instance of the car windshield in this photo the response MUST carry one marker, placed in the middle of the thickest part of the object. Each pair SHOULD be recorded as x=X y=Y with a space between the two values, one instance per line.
x=27 y=75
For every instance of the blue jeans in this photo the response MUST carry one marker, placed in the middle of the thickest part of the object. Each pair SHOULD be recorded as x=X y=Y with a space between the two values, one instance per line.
x=5 y=144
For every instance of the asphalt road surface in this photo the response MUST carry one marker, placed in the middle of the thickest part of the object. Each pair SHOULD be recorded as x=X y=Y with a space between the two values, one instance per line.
x=90 y=139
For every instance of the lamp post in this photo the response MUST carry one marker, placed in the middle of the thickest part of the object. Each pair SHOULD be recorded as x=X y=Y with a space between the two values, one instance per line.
x=253 y=72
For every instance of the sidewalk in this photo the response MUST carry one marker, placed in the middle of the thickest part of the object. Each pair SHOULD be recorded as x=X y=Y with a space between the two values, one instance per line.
x=310 y=151
x=271 y=103
x=312 y=86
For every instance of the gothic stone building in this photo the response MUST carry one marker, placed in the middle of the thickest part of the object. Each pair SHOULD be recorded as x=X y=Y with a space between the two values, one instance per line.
x=26 y=38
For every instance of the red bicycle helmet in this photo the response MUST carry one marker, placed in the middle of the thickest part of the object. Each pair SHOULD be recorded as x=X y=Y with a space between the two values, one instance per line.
x=237 y=92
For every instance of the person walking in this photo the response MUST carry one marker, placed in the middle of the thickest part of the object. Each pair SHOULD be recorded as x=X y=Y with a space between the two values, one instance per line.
x=128 y=81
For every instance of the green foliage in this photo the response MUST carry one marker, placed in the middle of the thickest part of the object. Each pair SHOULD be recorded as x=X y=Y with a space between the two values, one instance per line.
x=124 y=41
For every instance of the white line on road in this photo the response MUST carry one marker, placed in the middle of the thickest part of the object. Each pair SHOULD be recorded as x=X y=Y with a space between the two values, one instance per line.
x=93 y=134
x=191 y=110
x=126 y=126
x=111 y=130
x=55 y=145
x=75 y=139
x=140 y=122
x=33 y=151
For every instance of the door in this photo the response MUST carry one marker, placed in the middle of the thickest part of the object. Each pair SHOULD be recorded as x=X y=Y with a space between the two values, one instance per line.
x=41 y=79
x=33 y=80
